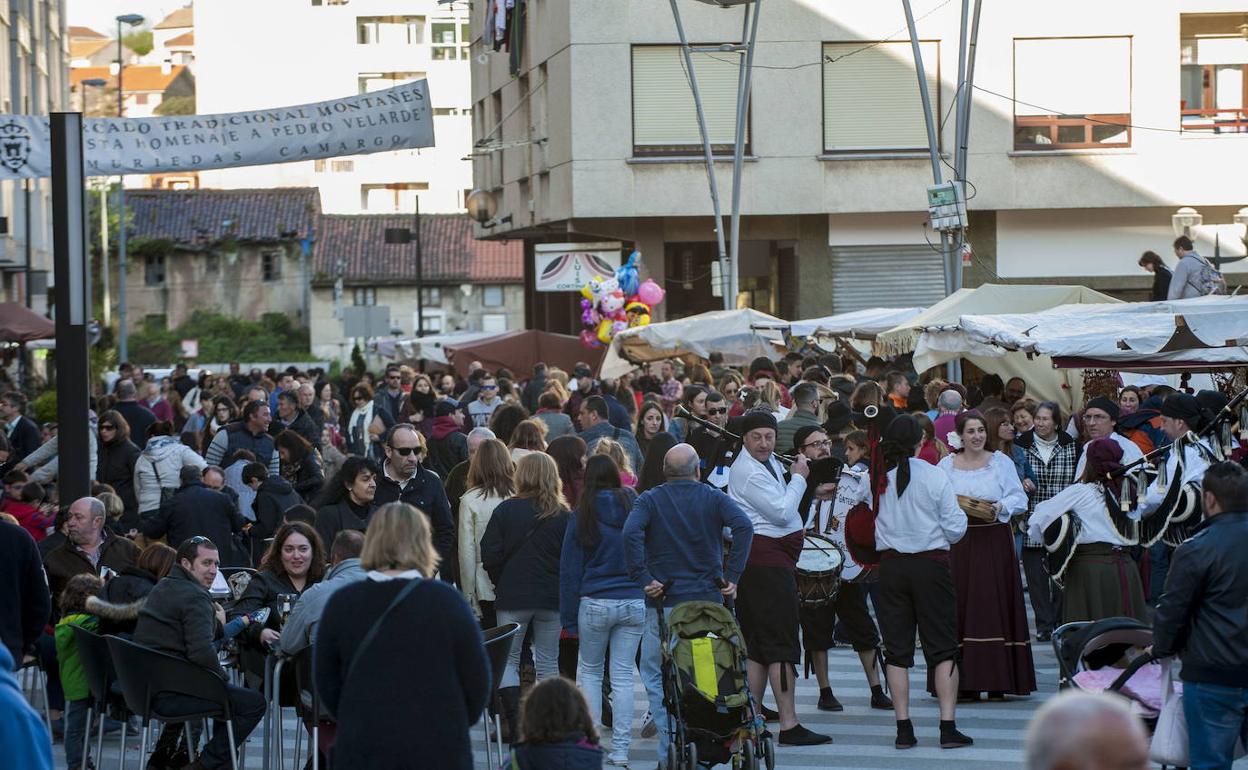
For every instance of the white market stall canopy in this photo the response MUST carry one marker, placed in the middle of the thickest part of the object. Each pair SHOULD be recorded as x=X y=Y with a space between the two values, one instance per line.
x=431 y=347
x=859 y=325
x=730 y=332
x=936 y=337
x=1207 y=332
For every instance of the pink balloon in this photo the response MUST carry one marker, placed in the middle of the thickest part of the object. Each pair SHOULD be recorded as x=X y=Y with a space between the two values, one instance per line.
x=589 y=338
x=650 y=292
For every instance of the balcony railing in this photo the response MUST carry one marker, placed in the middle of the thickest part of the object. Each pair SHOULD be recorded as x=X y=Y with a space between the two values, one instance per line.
x=1228 y=121
x=1065 y=132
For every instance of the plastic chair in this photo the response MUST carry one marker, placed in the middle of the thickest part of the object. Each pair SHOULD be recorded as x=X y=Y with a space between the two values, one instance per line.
x=145 y=673
x=497 y=646
x=40 y=682
x=97 y=665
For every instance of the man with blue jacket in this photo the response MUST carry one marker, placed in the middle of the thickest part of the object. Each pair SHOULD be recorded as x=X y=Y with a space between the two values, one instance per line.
x=674 y=536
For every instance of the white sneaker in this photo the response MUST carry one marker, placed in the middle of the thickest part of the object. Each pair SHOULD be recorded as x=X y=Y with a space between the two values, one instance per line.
x=613 y=762
x=648 y=727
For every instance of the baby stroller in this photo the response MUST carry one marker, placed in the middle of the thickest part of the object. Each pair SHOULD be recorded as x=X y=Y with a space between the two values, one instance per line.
x=711 y=717
x=1110 y=656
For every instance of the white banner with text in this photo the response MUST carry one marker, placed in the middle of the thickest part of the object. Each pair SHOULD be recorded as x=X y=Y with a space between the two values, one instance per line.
x=393 y=119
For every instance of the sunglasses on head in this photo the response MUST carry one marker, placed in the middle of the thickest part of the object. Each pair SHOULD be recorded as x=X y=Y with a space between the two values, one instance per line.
x=407 y=450
x=198 y=539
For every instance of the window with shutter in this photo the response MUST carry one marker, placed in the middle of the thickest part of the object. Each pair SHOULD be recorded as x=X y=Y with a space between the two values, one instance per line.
x=871 y=96
x=665 y=121
x=1072 y=92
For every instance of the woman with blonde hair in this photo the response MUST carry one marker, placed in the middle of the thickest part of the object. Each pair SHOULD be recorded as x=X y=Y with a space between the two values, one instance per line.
x=375 y=632
x=520 y=550
x=615 y=451
x=491 y=480
x=528 y=436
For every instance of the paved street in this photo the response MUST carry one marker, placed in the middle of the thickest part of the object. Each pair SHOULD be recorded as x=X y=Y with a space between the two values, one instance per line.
x=863 y=739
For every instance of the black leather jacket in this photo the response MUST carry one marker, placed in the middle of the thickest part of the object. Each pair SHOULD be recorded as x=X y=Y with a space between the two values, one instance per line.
x=1201 y=615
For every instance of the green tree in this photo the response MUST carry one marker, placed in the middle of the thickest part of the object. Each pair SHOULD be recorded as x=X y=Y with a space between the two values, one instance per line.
x=139 y=41
x=224 y=338
x=176 y=105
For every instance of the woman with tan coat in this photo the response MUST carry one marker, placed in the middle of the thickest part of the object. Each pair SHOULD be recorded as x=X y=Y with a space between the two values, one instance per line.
x=491 y=480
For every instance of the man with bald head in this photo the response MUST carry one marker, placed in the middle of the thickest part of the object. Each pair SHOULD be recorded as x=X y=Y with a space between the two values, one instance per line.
x=88 y=547
x=1086 y=731
x=674 y=537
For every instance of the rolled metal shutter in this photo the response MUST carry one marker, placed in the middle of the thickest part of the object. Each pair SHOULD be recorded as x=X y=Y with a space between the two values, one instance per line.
x=885 y=276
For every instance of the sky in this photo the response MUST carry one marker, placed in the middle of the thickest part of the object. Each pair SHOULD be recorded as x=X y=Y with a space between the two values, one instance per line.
x=101 y=15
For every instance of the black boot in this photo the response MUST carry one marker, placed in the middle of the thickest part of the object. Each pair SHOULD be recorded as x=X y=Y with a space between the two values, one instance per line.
x=162 y=757
x=510 y=697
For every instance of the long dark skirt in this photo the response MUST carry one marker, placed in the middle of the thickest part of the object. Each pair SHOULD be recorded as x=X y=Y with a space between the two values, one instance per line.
x=1103 y=582
x=767 y=609
x=992 y=619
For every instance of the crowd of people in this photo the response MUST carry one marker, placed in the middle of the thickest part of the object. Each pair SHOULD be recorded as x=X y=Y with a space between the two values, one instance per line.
x=385 y=522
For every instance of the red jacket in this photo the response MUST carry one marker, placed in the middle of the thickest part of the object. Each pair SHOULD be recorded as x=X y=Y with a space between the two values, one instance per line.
x=30 y=517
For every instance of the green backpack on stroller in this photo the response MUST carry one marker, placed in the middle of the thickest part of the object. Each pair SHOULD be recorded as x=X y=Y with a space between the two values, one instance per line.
x=709 y=653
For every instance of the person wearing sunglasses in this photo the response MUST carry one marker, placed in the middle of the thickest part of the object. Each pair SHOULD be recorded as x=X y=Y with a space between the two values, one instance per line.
x=403 y=479
x=482 y=408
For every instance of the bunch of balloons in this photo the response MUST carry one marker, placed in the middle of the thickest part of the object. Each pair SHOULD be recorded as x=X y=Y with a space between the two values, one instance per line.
x=610 y=305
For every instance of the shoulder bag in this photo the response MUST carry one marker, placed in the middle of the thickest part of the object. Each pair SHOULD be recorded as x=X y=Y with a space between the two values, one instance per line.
x=373 y=629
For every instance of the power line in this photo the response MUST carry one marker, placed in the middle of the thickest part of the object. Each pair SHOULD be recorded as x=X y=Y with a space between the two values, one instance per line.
x=1051 y=111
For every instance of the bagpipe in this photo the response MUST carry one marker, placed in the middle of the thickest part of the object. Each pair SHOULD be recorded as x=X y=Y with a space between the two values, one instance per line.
x=1180 y=512
x=822 y=471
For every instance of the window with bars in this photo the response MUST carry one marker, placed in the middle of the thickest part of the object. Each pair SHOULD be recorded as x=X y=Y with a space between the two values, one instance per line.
x=271 y=265
x=665 y=120
x=431 y=296
x=871 y=99
x=1072 y=93
x=364 y=295
x=154 y=270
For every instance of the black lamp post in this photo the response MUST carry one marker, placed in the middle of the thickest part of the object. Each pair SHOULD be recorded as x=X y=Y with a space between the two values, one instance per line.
x=401 y=235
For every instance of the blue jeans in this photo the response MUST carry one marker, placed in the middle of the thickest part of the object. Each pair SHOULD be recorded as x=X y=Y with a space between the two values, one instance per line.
x=546 y=628
x=652 y=676
x=232 y=629
x=75 y=729
x=1217 y=719
x=618 y=622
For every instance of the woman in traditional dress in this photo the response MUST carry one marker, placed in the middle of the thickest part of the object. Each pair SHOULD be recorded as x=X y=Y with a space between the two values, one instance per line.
x=1101 y=580
x=992 y=619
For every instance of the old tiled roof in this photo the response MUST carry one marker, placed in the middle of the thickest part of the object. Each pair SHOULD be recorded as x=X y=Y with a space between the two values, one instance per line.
x=136 y=77
x=86 y=48
x=186 y=38
x=450 y=252
x=183 y=17
x=199 y=217
x=75 y=33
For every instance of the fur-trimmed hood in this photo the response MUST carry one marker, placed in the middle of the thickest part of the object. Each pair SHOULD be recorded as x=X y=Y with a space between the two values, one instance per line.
x=117 y=613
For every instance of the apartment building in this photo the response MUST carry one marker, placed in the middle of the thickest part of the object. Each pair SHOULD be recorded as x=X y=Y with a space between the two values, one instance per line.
x=34 y=50
x=1091 y=125
x=251 y=55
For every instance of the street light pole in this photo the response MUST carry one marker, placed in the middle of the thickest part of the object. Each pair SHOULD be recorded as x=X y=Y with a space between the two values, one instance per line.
x=420 y=277
x=123 y=349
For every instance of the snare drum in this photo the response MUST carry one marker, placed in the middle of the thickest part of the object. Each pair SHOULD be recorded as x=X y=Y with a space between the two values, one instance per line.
x=819 y=570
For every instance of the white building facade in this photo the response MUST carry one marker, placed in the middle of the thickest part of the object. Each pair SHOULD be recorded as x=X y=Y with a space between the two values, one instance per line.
x=1092 y=123
x=34 y=51
x=253 y=55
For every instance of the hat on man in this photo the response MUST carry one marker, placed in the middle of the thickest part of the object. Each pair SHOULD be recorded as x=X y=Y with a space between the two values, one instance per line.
x=1105 y=405
x=757 y=418
x=803 y=433
x=1185 y=407
x=445 y=408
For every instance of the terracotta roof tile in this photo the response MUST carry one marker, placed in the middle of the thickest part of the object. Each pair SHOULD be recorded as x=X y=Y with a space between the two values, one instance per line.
x=195 y=217
x=186 y=38
x=136 y=77
x=85 y=48
x=79 y=33
x=450 y=252
x=183 y=17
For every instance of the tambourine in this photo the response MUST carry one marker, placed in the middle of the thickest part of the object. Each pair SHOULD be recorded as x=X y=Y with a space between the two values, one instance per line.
x=977 y=508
